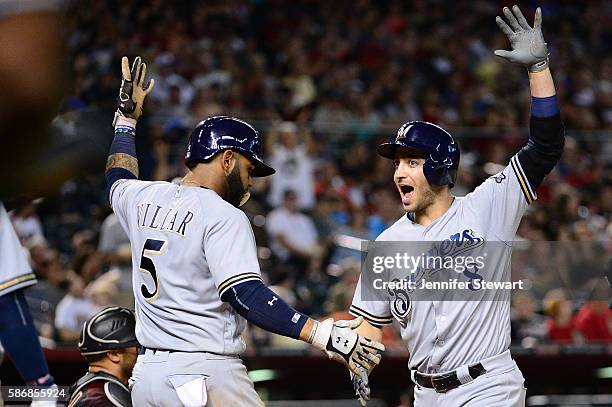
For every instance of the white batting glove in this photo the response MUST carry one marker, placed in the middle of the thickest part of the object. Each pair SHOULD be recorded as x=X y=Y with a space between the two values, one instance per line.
x=342 y=344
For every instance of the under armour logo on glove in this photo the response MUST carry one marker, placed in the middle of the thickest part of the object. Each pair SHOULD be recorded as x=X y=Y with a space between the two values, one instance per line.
x=339 y=339
x=271 y=302
x=341 y=343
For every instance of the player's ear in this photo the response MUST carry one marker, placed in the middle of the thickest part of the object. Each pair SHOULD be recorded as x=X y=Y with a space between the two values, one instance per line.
x=228 y=160
x=114 y=356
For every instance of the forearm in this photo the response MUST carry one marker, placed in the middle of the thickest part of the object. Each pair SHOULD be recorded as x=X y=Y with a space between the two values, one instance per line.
x=546 y=133
x=122 y=162
x=541 y=84
x=262 y=307
x=307 y=331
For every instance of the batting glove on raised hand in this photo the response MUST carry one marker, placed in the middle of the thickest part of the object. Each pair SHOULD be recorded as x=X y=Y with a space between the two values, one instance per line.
x=133 y=90
x=528 y=45
x=342 y=344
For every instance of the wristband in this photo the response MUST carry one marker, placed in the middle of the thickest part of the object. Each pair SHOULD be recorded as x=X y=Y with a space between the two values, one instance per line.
x=121 y=120
x=539 y=66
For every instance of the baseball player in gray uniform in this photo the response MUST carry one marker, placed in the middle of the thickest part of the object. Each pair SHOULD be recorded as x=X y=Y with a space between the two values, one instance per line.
x=459 y=350
x=17 y=331
x=196 y=276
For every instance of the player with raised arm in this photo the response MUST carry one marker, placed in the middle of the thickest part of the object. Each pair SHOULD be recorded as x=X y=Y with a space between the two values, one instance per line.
x=459 y=351
x=196 y=277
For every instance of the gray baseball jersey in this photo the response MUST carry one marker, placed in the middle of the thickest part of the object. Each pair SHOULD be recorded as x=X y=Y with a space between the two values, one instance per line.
x=188 y=247
x=15 y=271
x=443 y=335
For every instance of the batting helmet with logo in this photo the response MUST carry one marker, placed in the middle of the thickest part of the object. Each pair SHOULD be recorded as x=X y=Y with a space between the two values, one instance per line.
x=111 y=328
x=219 y=133
x=439 y=146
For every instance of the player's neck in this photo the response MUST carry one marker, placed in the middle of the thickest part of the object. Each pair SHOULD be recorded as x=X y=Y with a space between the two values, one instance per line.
x=441 y=204
x=111 y=369
x=205 y=179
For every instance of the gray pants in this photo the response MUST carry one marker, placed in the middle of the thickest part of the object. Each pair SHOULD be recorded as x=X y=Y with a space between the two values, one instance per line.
x=501 y=386
x=191 y=379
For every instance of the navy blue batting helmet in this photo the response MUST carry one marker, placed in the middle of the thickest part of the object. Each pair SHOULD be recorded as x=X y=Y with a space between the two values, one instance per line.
x=440 y=148
x=219 y=133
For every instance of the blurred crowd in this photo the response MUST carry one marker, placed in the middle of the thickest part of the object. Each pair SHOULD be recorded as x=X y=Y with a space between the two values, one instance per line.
x=325 y=82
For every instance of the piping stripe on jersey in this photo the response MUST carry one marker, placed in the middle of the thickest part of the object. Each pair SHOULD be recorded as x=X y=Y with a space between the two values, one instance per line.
x=112 y=189
x=530 y=195
x=17 y=280
x=372 y=319
x=237 y=279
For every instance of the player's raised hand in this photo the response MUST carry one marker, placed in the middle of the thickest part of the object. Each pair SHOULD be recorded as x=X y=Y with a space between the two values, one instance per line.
x=133 y=90
x=528 y=45
x=342 y=344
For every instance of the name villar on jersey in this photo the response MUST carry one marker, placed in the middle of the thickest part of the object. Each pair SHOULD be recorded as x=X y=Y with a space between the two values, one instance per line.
x=157 y=217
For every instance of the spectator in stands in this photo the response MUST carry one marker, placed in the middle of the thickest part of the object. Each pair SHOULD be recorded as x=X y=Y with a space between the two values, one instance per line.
x=526 y=326
x=73 y=310
x=294 y=235
x=594 y=320
x=44 y=297
x=322 y=218
x=312 y=285
x=82 y=302
x=561 y=326
x=294 y=167
x=114 y=246
x=359 y=230
x=26 y=222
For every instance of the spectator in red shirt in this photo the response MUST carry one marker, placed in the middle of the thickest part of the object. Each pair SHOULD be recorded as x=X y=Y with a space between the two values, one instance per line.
x=594 y=320
x=561 y=326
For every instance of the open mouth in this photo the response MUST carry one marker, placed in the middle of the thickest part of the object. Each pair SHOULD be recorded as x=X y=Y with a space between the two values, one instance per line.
x=406 y=193
x=406 y=189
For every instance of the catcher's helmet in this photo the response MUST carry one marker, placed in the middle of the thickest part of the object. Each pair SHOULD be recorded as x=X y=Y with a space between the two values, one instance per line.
x=442 y=150
x=220 y=133
x=111 y=328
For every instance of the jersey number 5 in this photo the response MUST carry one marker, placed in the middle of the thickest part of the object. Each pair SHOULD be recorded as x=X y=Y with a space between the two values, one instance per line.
x=151 y=246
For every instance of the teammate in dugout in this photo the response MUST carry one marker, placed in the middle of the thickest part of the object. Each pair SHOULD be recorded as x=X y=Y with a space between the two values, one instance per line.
x=196 y=277
x=108 y=343
x=459 y=351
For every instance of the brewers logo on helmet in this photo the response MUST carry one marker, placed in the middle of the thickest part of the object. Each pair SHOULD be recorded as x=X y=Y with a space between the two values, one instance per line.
x=440 y=147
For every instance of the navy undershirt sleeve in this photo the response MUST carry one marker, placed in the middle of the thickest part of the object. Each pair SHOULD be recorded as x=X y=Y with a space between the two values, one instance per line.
x=124 y=143
x=262 y=307
x=546 y=140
